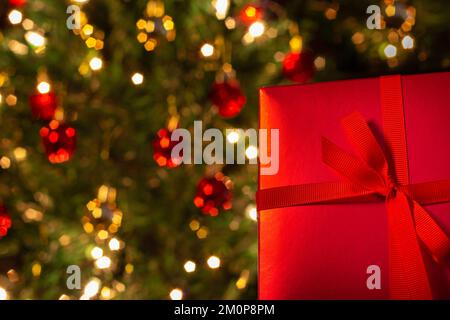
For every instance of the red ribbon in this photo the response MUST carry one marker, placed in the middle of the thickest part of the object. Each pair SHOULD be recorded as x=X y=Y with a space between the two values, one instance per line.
x=373 y=175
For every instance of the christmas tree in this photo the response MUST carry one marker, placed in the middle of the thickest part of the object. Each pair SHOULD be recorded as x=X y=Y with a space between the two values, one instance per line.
x=90 y=94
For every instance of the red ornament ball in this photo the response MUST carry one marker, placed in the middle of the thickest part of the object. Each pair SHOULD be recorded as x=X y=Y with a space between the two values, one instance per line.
x=5 y=221
x=43 y=105
x=59 y=141
x=298 y=67
x=17 y=3
x=213 y=194
x=228 y=97
x=251 y=13
x=162 y=149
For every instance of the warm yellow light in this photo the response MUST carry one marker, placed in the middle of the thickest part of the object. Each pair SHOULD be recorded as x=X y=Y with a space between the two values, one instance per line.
x=213 y=262
x=64 y=297
x=241 y=283
x=43 y=87
x=35 y=39
x=252 y=213
x=141 y=23
x=96 y=64
x=256 y=29
x=33 y=214
x=194 y=225
x=20 y=153
x=96 y=253
x=296 y=44
x=88 y=227
x=91 y=42
x=230 y=23
x=88 y=29
x=319 y=63
x=3 y=294
x=36 y=269
x=92 y=288
x=168 y=25
x=114 y=244
x=390 y=51
x=233 y=137
x=129 y=268
x=11 y=100
x=137 y=78
x=390 y=10
x=207 y=50
x=142 y=37
x=106 y=293
x=102 y=234
x=202 y=233
x=190 y=266
x=408 y=42
x=28 y=24
x=5 y=162
x=176 y=294
x=103 y=263
x=251 y=152
x=15 y=17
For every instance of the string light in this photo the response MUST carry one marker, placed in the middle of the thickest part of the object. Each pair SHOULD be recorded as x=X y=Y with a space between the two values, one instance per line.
x=3 y=294
x=213 y=262
x=20 y=154
x=35 y=39
x=137 y=78
x=15 y=17
x=114 y=244
x=43 y=87
x=176 y=294
x=390 y=10
x=103 y=263
x=251 y=152
x=5 y=162
x=390 y=51
x=408 y=42
x=207 y=50
x=190 y=266
x=91 y=289
x=96 y=253
x=221 y=7
x=96 y=63
x=252 y=213
x=230 y=23
x=256 y=29
x=296 y=43
x=233 y=137
x=11 y=100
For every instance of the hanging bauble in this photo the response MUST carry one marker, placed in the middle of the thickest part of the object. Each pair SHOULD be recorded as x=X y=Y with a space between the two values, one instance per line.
x=228 y=97
x=162 y=149
x=59 y=141
x=5 y=221
x=43 y=105
x=298 y=66
x=17 y=3
x=251 y=13
x=213 y=194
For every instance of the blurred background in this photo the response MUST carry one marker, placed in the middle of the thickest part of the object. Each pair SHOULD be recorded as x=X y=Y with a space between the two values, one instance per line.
x=86 y=116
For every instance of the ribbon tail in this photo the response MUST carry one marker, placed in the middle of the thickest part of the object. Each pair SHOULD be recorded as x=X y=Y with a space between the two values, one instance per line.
x=407 y=272
x=429 y=232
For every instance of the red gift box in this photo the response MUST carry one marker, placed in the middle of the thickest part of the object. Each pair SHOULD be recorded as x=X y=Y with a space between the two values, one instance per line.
x=363 y=186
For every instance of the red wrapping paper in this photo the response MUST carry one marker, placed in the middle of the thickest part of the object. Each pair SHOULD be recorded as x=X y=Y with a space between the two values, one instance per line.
x=322 y=251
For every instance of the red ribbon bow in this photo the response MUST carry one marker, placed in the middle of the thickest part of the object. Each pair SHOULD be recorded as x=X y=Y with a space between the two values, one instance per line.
x=373 y=174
